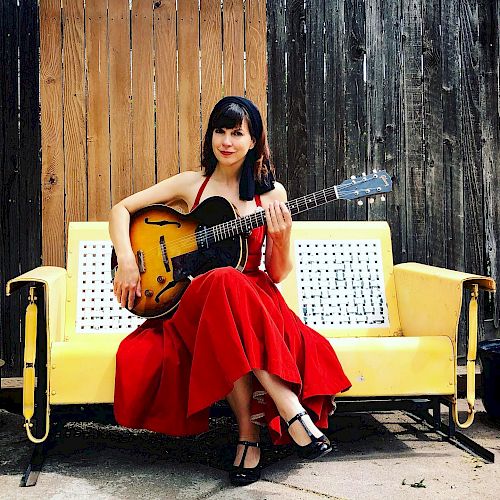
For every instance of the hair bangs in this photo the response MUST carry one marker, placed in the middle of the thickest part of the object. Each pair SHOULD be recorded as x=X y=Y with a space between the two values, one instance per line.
x=230 y=116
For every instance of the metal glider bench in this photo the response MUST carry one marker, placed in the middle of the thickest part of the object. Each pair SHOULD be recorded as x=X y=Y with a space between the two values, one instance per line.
x=394 y=328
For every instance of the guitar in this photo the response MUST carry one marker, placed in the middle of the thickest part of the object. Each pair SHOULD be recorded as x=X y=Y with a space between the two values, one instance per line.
x=172 y=248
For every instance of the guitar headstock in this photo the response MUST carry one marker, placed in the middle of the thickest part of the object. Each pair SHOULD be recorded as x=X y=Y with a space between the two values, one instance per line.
x=366 y=185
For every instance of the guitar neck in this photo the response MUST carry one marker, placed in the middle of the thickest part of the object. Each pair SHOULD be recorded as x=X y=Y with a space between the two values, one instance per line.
x=245 y=224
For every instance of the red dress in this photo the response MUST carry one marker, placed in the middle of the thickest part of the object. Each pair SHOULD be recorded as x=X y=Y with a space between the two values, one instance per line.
x=170 y=371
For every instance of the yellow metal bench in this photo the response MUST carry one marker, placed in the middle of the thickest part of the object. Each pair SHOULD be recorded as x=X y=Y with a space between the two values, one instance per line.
x=394 y=327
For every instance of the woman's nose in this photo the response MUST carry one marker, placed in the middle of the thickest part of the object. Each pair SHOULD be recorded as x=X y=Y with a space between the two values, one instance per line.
x=226 y=141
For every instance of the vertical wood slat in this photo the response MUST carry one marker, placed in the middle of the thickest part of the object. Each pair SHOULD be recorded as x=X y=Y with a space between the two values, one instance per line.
x=355 y=97
x=10 y=181
x=75 y=150
x=471 y=137
x=452 y=133
x=433 y=135
x=490 y=128
x=233 y=47
x=277 y=89
x=375 y=97
x=415 y=181
x=211 y=58
x=53 y=216
x=29 y=137
x=143 y=132
x=189 y=86
x=167 y=152
x=255 y=46
x=315 y=109
x=96 y=41
x=120 y=115
x=335 y=170
x=296 y=85
x=394 y=128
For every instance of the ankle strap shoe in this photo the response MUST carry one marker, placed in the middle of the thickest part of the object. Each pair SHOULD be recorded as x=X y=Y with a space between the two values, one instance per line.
x=318 y=446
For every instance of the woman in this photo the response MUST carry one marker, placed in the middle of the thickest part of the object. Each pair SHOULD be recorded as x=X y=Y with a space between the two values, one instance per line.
x=232 y=335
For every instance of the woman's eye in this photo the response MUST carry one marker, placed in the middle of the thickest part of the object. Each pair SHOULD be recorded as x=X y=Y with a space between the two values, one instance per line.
x=219 y=131
x=238 y=132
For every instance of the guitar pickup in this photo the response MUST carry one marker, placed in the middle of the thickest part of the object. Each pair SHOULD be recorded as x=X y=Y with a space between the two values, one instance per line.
x=164 y=254
x=140 y=261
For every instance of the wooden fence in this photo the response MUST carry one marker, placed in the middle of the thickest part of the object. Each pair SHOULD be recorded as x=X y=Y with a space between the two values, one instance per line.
x=409 y=86
x=126 y=94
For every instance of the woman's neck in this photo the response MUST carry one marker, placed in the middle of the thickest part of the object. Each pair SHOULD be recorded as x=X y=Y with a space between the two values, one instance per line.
x=227 y=175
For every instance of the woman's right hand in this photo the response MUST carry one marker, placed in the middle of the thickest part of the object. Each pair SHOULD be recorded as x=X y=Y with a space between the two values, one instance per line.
x=127 y=282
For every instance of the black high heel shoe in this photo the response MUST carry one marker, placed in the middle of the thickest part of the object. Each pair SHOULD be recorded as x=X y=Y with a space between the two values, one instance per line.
x=241 y=476
x=318 y=446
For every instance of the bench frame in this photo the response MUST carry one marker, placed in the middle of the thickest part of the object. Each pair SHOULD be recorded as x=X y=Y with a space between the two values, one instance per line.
x=42 y=319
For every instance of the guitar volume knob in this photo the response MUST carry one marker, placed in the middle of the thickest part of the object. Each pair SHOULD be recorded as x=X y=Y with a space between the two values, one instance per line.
x=148 y=293
x=160 y=279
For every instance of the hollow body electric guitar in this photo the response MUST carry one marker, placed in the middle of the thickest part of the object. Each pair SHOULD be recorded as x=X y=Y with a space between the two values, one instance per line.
x=172 y=248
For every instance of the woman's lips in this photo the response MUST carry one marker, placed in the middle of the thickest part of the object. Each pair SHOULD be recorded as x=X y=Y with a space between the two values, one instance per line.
x=226 y=153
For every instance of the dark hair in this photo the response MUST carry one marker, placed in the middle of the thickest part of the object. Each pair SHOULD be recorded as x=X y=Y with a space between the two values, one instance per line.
x=230 y=116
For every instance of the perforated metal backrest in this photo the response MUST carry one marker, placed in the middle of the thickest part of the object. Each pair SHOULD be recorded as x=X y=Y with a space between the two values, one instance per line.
x=92 y=307
x=342 y=283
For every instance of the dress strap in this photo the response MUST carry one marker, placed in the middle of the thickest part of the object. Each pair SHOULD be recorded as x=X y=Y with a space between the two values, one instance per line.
x=200 y=192
x=257 y=200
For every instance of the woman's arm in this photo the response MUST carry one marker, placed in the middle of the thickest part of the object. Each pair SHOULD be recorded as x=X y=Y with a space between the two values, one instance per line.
x=279 y=226
x=127 y=281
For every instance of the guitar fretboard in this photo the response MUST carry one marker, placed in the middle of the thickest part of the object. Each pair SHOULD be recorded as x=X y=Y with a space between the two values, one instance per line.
x=245 y=224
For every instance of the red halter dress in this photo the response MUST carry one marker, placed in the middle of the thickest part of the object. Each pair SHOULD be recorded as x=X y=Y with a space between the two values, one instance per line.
x=170 y=371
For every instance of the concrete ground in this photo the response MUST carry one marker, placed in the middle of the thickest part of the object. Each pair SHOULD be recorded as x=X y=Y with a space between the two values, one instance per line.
x=383 y=455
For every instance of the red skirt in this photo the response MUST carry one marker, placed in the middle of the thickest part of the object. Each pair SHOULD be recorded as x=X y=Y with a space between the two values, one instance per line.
x=170 y=371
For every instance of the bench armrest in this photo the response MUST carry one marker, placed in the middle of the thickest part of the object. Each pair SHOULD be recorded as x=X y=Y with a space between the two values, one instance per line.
x=429 y=302
x=54 y=282
x=430 y=298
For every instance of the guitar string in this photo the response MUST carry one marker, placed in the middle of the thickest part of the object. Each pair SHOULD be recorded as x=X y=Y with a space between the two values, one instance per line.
x=226 y=229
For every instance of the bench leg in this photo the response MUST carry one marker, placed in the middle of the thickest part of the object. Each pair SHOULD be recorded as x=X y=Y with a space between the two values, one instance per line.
x=35 y=465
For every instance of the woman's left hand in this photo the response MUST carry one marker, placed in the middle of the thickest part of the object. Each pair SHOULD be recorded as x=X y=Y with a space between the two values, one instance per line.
x=279 y=223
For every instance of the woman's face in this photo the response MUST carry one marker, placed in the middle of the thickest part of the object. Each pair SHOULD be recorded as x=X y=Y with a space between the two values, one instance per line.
x=230 y=145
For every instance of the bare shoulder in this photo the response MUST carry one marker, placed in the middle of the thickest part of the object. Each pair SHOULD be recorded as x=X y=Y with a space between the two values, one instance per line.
x=278 y=193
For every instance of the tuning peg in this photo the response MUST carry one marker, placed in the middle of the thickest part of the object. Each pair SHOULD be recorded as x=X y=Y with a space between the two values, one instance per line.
x=371 y=200
x=353 y=177
x=382 y=198
x=364 y=174
x=375 y=170
x=360 y=202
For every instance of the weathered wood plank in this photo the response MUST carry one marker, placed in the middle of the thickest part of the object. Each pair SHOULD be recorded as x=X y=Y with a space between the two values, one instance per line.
x=29 y=138
x=277 y=88
x=120 y=112
x=143 y=116
x=99 y=195
x=256 y=69
x=315 y=109
x=335 y=169
x=53 y=214
x=490 y=140
x=167 y=143
x=433 y=135
x=394 y=128
x=471 y=139
x=75 y=150
x=189 y=85
x=355 y=98
x=413 y=119
x=211 y=58
x=233 y=46
x=452 y=133
x=375 y=98
x=10 y=216
x=297 y=135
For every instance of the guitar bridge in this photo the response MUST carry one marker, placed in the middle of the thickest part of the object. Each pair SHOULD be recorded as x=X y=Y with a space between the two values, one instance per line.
x=164 y=255
x=140 y=261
